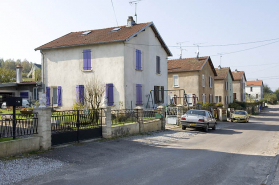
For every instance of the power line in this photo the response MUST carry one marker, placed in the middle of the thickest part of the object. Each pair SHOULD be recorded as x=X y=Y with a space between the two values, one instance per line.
x=114 y=13
x=256 y=65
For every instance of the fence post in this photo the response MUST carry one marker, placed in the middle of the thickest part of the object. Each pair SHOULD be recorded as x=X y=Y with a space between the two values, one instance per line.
x=179 y=114
x=162 y=110
x=106 y=121
x=44 y=127
x=139 y=114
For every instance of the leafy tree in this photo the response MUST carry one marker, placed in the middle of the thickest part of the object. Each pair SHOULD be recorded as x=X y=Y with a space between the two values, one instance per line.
x=277 y=93
x=7 y=75
x=10 y=64
x=26 y=65
x=38 y=75
x=267 y=90
x=271 y=98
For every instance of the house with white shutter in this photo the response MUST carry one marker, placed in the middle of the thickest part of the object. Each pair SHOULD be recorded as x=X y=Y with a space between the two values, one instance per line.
x=129 y=60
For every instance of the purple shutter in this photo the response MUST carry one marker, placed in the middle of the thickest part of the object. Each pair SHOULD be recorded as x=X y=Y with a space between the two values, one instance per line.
x=138 y=59
x=139 y=65
x=24 y=95
x=139 y=94
x=80 y=93
x=85 y=60
x=89 y=60
x=59 y=96
x=47 y=96
x=110 y=94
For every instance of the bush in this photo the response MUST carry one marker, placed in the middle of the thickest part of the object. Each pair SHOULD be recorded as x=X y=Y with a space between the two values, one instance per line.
x=219 y=104
x=236 y=106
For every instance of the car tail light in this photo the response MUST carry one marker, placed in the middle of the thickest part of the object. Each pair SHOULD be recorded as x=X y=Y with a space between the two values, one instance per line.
x=183 y=118
x=201 y=120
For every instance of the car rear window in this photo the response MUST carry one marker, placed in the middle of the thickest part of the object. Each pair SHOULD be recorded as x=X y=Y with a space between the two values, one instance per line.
x=201 y=113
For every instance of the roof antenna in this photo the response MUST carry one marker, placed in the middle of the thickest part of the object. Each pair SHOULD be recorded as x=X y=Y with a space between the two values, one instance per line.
x=135 y=2
x=221 y=55
x=198 y=51
x=180 y=47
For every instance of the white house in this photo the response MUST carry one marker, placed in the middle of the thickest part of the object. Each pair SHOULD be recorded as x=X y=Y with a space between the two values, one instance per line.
x=254 y=89
x=130 y=60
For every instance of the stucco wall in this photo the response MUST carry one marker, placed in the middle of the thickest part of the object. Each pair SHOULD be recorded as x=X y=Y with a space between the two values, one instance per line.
x=152 y=125
x=147 y=76
x=128 y=129
x=256 y=90
x=207 y=71
x=237 y=89
x=220 y=90
x=230 y=88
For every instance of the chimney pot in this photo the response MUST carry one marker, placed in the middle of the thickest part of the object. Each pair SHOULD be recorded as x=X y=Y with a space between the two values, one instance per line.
x=235 y=70
x=18 y=73
x=219 y=67
x=130 y=21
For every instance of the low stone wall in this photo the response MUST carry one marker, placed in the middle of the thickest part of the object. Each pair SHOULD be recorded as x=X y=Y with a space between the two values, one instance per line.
x=128 y=129
x=152 y=125
x=13 y=147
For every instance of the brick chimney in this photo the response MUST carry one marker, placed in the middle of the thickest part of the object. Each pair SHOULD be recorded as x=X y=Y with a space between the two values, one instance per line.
x=130 y=21
x=18 y=73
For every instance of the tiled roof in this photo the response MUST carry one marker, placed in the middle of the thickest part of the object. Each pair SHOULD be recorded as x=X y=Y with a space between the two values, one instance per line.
x=189 y=64
x=99 y=36
x=223 y=73
x=237 y=75
x=254 y=83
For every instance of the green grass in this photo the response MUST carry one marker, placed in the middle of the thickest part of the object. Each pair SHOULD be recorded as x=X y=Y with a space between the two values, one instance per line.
x=5 y=111
x=6 y=139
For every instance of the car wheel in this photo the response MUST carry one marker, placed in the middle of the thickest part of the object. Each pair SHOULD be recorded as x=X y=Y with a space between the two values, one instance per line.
x=183 y=127
x=206 y=128
x=214 y=127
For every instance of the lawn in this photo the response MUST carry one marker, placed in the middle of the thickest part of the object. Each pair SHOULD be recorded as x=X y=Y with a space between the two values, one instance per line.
x=5 y=111
x=6 y=139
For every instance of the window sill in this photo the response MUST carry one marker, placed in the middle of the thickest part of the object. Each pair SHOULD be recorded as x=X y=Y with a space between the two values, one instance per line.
x=86 y=70
x=159 y=74
x=139 y=70
x=175 y=86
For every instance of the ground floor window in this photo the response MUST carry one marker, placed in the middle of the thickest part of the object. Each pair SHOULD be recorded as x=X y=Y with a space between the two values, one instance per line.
x=35 y=93
x=54 y=96
x=158 y=94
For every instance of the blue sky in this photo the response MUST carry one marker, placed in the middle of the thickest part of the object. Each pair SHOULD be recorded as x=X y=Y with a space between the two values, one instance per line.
x=25 y=25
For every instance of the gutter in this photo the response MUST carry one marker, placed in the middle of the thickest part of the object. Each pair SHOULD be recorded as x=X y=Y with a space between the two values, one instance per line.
x=43 y=71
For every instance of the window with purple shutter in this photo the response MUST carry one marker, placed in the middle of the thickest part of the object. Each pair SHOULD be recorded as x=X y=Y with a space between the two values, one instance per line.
x=47 y=96
x=59 y=96
x=109 y=94
x=80 y=93
x=138 y=59
x=87 y=59
x=158 y=69
x=139 y=94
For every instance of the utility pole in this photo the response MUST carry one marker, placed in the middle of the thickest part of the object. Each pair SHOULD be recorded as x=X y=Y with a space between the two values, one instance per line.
x=135 y=2
x=180 y=47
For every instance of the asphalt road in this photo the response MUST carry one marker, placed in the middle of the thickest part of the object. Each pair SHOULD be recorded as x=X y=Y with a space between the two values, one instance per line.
x=235 y=153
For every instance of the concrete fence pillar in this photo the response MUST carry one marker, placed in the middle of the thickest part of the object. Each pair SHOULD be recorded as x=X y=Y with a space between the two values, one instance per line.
x=161 y=110
x=179 y=114
x=44 y=127
x=139 y=115
x=106 y=120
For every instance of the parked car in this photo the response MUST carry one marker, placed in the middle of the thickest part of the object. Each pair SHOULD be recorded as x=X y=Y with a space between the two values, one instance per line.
x=4 y=105
x=198 y=119
x=240 y=116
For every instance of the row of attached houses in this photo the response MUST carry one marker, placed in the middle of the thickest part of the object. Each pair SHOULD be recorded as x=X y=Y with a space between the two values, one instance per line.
x=131 y=62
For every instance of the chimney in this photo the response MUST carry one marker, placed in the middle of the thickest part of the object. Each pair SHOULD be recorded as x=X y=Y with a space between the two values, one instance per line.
x=18 y=73
x=235 y=70
x=219 y=67
x=257 y=80
x=130 y=21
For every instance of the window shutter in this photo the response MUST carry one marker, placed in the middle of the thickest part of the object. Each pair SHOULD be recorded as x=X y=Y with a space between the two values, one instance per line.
x=158 y=71
x=162 y=94
x=88 y=59
x=47 y=96
x=156 y=94
x=110 y=94
x=59 y=96
x=203 y=82
x=139 y=94
x=80 y=93
x=85 y=64
x=138 y=59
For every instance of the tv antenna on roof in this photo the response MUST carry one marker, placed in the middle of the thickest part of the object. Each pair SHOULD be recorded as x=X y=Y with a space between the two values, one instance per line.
x=180 y=47
x=221 y=55
x=198 y=45
x=135 y=2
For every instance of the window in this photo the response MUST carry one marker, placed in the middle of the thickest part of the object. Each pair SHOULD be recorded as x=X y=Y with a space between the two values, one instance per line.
x=158 y=62
x=216 y=99
x=158 y=94
x=138 y=59
x=24 y=95
x=35 y=93
x=257 y=96
x=251 y=89
x=220 y=98
x=226 y=100
x=139 y=94
x=203 y=81
x=210 y=98
x=210 y=81
x=175 y=81
x=203 y=98
x=80 y=93
x=54 y=96
x=87 y=59
x=234 y=96
x=109 y=94
x=226 y=85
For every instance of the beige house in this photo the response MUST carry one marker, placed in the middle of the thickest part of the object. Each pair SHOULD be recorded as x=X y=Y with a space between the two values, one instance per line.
x=195 y=76
x=239 y=84
x=223 y=86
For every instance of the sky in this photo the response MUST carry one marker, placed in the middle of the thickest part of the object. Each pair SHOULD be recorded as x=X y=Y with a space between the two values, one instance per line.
x=212 y=24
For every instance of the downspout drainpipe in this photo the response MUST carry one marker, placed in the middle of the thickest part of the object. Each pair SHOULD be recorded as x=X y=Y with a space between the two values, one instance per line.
x=43 y=71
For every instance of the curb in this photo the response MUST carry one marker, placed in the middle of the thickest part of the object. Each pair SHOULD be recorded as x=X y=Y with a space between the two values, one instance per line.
x=272 y=171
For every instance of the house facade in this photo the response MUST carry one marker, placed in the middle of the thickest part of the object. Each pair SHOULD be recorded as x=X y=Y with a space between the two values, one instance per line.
x=223 y=86
x=195 y=77
x=239 y=84
x=254 y=90
x=120 y=58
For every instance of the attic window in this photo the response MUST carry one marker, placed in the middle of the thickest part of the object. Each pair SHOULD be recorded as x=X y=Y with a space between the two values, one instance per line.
x=115 y=29
x=86 y=33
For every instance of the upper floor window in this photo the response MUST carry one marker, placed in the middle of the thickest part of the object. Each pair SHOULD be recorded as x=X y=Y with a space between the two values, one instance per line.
x=226 y=85
x=251 y=89
x=87 y=59
x=210 y=81
x=175 y=81
x=138 y=59
x=203 y=81
x=158 y=63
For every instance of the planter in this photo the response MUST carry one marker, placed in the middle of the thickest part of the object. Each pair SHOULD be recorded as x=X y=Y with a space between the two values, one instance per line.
x=26 y=111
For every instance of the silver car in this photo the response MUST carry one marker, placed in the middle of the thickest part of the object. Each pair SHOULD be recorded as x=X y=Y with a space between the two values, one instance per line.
x=198 y=119
x=4 y=105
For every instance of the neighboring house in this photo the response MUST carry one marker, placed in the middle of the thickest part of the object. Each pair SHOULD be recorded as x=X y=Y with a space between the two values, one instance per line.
x=32 y=73
x=254 y=90
x=129 y=60
x=26 y=90
x=223 y=86
x=239 y=84
x=195 y=76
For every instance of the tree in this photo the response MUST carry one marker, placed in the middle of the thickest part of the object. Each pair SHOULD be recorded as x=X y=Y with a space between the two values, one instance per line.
x=277 y=93
x=271 y=98
x=38 y=75
x=267 y=90
x=7 y=75
x=94 y=93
